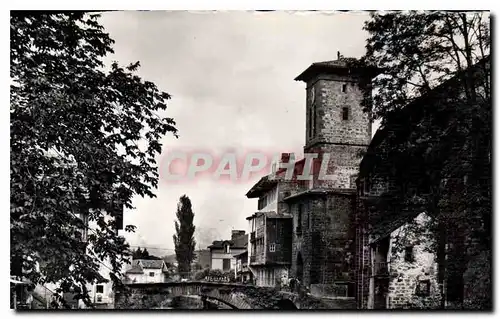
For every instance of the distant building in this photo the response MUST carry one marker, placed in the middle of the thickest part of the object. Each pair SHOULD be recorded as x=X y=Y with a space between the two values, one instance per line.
x=147 y=271
x=222 y=252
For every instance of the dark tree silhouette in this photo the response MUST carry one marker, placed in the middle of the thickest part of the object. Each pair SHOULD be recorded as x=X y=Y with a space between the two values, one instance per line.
x=75 y=127
x=184 y=238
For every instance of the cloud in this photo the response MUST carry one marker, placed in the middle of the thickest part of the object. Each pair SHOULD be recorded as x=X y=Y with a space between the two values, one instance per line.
x=230 y=75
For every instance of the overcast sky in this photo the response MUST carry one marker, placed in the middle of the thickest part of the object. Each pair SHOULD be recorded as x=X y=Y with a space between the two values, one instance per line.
x=230 y=75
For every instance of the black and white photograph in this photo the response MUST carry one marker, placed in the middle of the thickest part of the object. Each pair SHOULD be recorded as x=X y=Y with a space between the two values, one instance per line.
x=271 y=160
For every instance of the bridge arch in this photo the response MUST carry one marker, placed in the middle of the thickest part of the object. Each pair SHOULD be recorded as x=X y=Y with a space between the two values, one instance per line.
x=286 y=304
x=235 y=296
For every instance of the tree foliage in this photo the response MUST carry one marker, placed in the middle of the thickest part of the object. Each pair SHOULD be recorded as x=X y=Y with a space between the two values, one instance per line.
x=434 y=94
x=83 y=142
x=417 y=51
x=184 y=238
x=143 y=254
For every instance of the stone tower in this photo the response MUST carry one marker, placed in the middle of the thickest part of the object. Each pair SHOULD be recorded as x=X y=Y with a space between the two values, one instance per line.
x=323 y=215
x=335 y=121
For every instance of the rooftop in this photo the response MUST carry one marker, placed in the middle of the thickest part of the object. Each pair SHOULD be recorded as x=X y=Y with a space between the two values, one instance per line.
x=238 y=243
x=267 y=182
x=320 y=191
x=138 y=265
x=269 y=214
x=341 y=66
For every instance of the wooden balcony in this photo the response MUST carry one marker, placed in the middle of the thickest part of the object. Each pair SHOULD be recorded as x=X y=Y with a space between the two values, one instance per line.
x=257 y=259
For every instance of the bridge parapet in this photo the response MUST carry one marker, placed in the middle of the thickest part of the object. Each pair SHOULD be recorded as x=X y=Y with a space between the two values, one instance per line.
x=236 y=296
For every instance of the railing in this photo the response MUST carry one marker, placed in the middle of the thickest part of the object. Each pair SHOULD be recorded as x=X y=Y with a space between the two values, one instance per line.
x=217 y=279
x=259 y=233
x=380 y=268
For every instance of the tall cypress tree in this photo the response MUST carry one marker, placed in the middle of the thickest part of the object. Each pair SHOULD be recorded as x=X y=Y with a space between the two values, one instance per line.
x=184 y=239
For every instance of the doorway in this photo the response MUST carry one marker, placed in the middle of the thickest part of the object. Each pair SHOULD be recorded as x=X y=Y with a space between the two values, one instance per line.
x=300 y=268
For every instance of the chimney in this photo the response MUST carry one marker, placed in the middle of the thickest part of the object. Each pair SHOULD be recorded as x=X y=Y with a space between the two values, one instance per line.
x=286 y=157
x=237 y=233
x=338 y=55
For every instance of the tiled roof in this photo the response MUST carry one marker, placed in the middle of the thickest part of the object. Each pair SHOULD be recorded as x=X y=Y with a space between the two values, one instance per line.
x=237 y=243
x=385 y=227
x=138 y=265
x=320 y=191
x=269 y=214
x=263 y=185
x=267 y=182
x=334 y=66
x=220 y=243
x=136 y=269
x=151 y=264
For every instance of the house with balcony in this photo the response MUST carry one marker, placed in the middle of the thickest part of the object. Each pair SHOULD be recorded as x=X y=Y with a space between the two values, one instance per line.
x=271 y=248
x=271 y=227
x=223 y=252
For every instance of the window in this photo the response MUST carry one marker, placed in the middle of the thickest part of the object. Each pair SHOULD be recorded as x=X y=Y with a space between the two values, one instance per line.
x=226 y=264
x=262 y=202
x=344 y=88
x=299 y=217
x=227 y=249
x=345 y=113
x=366 y=185
x=99 y=298
x=423 y=287
x=272 y=247
x=409 y=254
x=151 y=274
x=99 y=289
x=312 y=118
x=309 y=219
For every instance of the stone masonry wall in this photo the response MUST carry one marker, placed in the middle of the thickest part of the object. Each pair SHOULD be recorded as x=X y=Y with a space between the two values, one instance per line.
x=342 y=165
x=344 y=140
x=329 y=102
x=405 y=276
x=326 y=243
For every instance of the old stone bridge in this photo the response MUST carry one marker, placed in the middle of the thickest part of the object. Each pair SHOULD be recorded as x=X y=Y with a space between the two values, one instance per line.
x=236 y=296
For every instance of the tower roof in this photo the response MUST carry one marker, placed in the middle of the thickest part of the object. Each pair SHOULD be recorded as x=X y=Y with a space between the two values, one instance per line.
x=341 y=66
